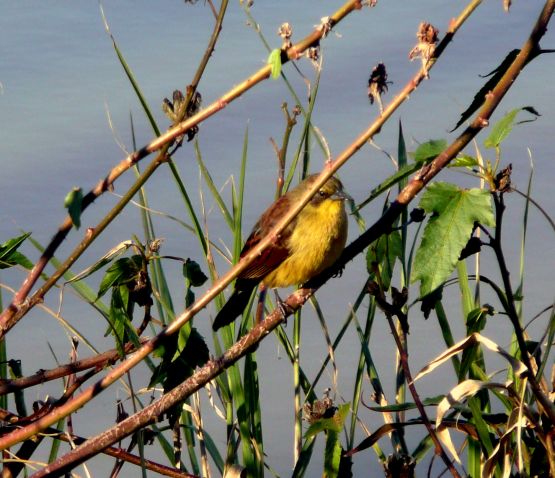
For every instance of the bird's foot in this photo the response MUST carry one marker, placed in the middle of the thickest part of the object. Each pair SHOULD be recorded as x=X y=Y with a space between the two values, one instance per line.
x=284 y=309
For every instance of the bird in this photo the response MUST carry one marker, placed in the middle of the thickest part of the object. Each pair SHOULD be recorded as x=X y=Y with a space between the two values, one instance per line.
x=311 y=243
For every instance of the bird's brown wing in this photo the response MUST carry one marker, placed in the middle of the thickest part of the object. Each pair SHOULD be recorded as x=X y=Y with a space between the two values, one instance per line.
x=277 y=251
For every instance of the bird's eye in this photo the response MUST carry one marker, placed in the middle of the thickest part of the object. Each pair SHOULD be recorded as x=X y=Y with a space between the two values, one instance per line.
x=322 y=193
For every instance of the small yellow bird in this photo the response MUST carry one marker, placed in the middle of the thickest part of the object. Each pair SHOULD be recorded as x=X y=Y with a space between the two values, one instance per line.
x=312 y=242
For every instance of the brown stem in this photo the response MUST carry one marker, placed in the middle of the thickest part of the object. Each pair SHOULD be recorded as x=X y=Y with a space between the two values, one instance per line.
x=512 y=313
x=98 y=361
x=110 y=451
x=403 y=357
x=150 y=413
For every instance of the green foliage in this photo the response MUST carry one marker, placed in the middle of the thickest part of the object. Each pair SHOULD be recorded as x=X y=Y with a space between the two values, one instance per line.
x=73 y=203
x=194 y=277
x=274 y=60
x=381 y=256
x=334 y=423
x=124 y=271
x=429 y=150
x=454 y=214
x=464 y=161
x=332 y=427
x=10 y=256
x=121 y=315
x=504 y=126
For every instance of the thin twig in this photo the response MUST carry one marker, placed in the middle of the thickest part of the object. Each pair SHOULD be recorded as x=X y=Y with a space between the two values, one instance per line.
x=403 y=358
x=542 y=398
x=99 y=361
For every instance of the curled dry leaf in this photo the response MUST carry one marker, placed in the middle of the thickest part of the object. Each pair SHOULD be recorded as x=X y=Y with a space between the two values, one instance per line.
x=427 y=36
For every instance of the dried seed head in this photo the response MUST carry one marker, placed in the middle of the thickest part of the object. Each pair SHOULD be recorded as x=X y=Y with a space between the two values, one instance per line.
x=175 y=110
x=503 y=179
x=318 y=409
x=313 y=53
x=427 y=33
x=286 y=32
x=377 y=84
x=154 y=245
x=427 y=36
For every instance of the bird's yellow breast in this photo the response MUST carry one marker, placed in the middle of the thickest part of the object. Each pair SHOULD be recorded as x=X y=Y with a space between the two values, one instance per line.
x=316 y=242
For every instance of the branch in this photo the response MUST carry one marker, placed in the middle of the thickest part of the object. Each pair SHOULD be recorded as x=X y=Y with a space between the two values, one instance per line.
x=98 y=361
x=300 y=297
x=110 y=451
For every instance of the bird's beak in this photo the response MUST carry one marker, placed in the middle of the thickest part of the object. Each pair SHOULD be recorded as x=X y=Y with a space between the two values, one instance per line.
x=341 y=196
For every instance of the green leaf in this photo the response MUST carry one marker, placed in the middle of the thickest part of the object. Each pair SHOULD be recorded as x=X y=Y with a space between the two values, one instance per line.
x=73 y=202
x=274 y=60
x=105 y=259
x=504 y=126
x=119 y=317
x=193 y=273
x=9 y=256
x=384 y=252
x=332 y=456
x=403 y=407
x=179 y=360
x=121 y=272
x=429 y=150
x=454 y=212
x=464 y=161
x=182 y=339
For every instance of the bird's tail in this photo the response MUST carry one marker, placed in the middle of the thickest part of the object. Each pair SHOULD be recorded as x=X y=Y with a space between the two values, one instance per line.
x=235 y=305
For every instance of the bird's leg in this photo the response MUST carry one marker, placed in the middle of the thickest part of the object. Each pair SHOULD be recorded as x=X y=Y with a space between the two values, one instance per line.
x=260 y=307
x=282 y=306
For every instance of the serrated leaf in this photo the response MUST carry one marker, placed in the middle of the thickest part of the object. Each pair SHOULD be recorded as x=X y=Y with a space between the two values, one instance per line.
x=182 y=339
x=274 y=60
x=429 y=150
x=73 y=203
x=178 y=363
x=9 y=256
x=454 y=212
x=504 y=126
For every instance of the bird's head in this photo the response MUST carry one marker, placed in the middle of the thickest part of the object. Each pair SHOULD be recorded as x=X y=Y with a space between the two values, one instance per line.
x=332 y=190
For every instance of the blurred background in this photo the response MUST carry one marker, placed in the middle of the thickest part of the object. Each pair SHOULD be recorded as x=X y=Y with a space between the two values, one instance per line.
x=65 y=109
